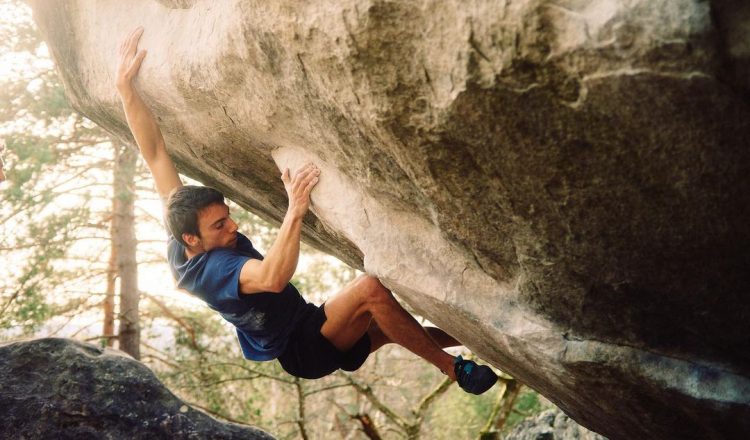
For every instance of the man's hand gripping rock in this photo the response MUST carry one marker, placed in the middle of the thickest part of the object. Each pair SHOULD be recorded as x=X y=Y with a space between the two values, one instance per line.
x=298 y=189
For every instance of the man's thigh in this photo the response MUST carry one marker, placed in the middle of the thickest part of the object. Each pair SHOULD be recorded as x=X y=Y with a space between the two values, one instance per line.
x=347 y=318
x=310 y=355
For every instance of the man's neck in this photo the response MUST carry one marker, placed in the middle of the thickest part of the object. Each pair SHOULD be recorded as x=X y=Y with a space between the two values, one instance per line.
x=189 y=253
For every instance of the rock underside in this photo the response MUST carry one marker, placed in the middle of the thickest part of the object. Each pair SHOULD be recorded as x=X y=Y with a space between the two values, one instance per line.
x=64 y=389
x=562 y=186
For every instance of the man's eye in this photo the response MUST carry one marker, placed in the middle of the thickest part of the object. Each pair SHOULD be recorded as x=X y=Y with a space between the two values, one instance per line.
x=220 y=225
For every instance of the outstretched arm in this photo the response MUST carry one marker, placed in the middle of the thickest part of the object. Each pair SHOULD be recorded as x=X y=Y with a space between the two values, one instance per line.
x=140 y=119
x=277 y=268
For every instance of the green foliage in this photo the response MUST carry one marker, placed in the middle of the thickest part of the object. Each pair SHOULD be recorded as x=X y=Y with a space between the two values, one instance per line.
x=205 y=367
x=19 y=35
x=28 y=306
x=527 y=405
x=46 y=208
x=461 y=415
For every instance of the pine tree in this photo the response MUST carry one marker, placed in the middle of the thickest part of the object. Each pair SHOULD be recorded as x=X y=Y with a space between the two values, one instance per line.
x=55 y=218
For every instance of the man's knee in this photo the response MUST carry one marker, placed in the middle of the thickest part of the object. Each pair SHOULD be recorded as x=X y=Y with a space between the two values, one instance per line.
x=372 y=290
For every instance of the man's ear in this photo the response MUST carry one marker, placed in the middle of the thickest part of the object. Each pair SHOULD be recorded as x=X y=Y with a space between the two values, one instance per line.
x=190 y=239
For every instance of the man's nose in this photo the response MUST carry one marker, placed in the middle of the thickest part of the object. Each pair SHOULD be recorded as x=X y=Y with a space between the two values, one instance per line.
x=232 y=226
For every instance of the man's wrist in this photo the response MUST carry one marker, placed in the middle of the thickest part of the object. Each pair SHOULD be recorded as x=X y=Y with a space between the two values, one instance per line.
x=125 y=91
x=294 y=216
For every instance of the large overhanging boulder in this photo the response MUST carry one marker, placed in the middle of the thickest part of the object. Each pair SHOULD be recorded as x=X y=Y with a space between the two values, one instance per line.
x=562 y=186
x=64 y=389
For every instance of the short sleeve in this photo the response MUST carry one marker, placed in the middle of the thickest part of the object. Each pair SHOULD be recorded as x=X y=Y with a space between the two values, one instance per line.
x=215 y=276
x=223 y=273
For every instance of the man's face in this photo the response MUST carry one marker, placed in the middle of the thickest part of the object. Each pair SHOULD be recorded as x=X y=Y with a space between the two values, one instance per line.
x=217 y=229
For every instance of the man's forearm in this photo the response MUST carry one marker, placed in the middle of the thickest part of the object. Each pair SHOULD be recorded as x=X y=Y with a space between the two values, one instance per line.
x=281 y=260
x=140 y=119
x=141 y=122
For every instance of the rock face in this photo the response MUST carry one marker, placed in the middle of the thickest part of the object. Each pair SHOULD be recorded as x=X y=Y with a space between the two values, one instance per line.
x=64 y=389
x=562 y=186
x=551 y=425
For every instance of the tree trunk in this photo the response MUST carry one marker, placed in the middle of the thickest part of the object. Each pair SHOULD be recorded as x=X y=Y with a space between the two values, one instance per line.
x=108 y=329
x=501 y=410
x=124 y=246
x=511 y=394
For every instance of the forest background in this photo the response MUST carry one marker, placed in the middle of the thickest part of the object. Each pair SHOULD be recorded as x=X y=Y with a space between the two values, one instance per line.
x=83 y=256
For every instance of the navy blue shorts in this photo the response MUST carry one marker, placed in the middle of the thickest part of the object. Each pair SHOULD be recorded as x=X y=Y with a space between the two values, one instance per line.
x=310 y=355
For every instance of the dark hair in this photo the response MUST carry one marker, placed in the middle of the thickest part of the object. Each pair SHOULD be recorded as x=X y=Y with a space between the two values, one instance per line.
x=183 y=206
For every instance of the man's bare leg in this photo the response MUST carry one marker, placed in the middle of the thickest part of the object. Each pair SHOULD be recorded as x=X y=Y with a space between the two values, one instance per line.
x=349 y=315
x=378 y=339
x=442 y=338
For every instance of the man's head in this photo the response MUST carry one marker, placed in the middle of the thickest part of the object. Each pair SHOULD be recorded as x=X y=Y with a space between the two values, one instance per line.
x=199 y=219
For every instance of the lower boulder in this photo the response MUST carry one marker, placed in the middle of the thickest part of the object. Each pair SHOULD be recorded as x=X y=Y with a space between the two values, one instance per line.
x=552 y=424
x=65 y=389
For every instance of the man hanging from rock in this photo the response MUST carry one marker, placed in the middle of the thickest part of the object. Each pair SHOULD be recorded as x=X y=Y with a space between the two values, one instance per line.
x=214 y=262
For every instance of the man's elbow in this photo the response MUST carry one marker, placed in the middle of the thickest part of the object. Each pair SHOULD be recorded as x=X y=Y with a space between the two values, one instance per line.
x=275 y=280
x=277 y=285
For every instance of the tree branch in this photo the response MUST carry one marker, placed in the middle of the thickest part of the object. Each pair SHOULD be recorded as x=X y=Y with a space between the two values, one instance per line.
x=177 y=319
x=367 y=392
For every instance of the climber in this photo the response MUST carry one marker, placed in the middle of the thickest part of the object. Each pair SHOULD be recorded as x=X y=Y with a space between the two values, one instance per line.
x=210 y=259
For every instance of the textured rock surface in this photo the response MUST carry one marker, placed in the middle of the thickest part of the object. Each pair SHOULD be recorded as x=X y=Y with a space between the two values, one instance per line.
x=64 y=389
x=551 y=425
x=562 y=186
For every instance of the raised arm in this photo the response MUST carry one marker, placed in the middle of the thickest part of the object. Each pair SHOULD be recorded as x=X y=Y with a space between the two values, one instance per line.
x=277 y=268
x=140 y=119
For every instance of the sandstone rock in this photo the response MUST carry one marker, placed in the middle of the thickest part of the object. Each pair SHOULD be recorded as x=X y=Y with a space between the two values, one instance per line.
x=562 y=186
x=551 y=425
x=64 y=389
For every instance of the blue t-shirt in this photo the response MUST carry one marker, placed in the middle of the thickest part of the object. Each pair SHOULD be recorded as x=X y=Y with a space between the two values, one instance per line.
x=263 y=320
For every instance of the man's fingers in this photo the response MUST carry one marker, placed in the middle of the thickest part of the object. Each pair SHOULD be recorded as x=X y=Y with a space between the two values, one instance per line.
x=131 y=47
x=310 y=185
x=308 y=166
x=285 y=175
x=126 y=45
x=304 y=170
x=135 y=36
x=128 y=40
x=137 y=61
x=304 y=176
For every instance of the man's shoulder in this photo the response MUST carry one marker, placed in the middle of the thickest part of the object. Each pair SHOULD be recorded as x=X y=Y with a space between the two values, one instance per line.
x=175 y=252
x=171 y=241
x=220 y=259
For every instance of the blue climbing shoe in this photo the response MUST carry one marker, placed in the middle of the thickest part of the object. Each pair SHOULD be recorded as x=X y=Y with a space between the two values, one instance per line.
x=473 y=378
